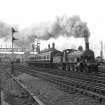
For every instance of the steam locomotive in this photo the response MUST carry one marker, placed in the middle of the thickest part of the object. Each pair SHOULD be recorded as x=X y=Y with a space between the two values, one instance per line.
x=68 y=60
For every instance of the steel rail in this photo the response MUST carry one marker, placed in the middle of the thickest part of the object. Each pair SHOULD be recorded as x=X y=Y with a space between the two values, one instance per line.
x=85 y=76
x=81 y=86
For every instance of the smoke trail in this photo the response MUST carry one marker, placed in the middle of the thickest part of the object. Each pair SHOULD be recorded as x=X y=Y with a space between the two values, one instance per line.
x=4 y=30
x=27 y=36
x=75 y=27
x=70 y=26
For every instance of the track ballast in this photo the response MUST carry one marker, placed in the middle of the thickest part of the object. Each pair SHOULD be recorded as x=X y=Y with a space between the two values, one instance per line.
x=93 y=86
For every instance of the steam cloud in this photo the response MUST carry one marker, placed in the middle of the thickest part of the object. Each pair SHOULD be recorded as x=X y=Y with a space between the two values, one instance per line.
x=4 y=30
x=70 y=26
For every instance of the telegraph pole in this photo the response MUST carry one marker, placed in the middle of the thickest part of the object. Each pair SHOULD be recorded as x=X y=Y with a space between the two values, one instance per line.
x=101 y=52
x=12 y=65
x=13 y=38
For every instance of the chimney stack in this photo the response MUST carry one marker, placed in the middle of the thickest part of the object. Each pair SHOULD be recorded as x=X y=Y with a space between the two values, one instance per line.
x=86 y=43
x=101 y=52
x=86 y=37
x=48 y=46
x=53 y=45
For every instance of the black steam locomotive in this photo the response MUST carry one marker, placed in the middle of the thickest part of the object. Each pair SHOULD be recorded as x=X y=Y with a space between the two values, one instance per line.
x=68 y=60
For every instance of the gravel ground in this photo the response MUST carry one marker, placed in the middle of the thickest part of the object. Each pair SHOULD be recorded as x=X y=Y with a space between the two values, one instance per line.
x=49 y=93
x=12 y=94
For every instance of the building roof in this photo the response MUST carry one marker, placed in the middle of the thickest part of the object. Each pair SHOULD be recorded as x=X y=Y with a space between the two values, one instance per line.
x=59 y=53
x=48 y=50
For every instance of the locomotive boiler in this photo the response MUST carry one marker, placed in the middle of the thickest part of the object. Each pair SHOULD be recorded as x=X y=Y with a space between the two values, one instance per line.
x=77 y=60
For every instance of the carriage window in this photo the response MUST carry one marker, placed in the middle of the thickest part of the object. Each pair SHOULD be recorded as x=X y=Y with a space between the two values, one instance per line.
x=47 y=57
x=44 y=57
x=38 y=57
x=67 y=51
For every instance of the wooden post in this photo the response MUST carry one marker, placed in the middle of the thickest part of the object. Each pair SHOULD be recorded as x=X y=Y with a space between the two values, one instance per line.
x=12 y=65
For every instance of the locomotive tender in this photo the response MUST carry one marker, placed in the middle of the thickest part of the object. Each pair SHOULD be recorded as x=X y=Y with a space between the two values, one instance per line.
x=69 y=59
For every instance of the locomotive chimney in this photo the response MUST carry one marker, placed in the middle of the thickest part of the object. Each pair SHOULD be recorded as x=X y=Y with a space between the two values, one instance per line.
x=86 y=37
x=101 y=52
x=48 y=46
x=86 y=43
x=53 y=45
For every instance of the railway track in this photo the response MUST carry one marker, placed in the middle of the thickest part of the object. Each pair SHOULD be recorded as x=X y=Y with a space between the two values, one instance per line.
x=87 y=87
x=97 y=78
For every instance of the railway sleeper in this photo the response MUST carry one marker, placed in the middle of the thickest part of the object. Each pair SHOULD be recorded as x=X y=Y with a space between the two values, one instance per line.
x=102 y=92
x=99 y=99
x=86 y=93
x=91 y=95
x=92 y=89
x=74 y=89
x=69 y=87
x=84 y=87
x=96 y=89
x=70 y=90
x=99 y=91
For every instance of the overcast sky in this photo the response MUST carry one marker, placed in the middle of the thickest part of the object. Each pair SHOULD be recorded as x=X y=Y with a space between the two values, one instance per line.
x=24 y=13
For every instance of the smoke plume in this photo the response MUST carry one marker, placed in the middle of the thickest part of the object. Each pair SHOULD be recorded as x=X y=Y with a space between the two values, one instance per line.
x=67 y=27
x=4 y=30
x=70 y=26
